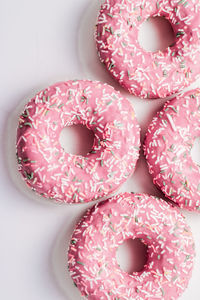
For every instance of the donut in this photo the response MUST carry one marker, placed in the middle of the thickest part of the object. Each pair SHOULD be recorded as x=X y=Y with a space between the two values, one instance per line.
x=160 y=226
x=64 y=177
x=149 y=74
x=168 y=143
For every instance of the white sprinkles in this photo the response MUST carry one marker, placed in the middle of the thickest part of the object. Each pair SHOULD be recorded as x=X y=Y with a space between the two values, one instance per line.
x=92 y=252
x=169 y=140
x=149 y=74
x=60 y=176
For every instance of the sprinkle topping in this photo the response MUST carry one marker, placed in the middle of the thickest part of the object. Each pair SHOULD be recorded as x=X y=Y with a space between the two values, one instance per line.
x=169 y=158
x=149 y=74
x=92 y=261
x=64 y=177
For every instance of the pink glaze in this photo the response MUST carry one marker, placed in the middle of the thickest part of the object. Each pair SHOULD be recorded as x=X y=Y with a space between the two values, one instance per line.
x=92 y=252
x=52 y=172
x=149 y=74
x=168 y=145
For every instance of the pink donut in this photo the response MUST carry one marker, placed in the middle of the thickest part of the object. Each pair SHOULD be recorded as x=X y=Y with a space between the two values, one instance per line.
x=168 y=145
x=149 y=74
x=52 y=172
x=92 y=252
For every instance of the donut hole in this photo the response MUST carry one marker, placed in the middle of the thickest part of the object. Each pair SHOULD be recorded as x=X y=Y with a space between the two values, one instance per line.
x=132 y=255
x=195 y=151
x=76 y=139
x=156 y=33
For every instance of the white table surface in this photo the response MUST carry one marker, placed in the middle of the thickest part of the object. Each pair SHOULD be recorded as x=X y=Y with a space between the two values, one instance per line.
x=42 y=42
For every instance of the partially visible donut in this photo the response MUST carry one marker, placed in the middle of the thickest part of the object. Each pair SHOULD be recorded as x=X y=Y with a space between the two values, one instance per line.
x=169 y=140
x=170 y=249
x=55 y=174
x=149 y=74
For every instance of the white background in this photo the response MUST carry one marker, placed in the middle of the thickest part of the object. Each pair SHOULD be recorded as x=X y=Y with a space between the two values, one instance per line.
x=41 y=42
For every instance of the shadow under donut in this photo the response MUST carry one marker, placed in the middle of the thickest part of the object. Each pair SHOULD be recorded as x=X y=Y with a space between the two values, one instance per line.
x=59 y=258
x=87 y=53
x=10 y=152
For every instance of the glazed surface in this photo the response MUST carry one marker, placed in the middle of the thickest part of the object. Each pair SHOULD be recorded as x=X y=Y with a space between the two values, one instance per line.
x=168 y=146
x=149 y=74
x=170 y=247
x=61 y=176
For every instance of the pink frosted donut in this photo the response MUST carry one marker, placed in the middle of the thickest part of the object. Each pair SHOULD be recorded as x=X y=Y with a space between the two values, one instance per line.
x=52 y=172
x=149 y=74
x=170 y=250
x=168 y=145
